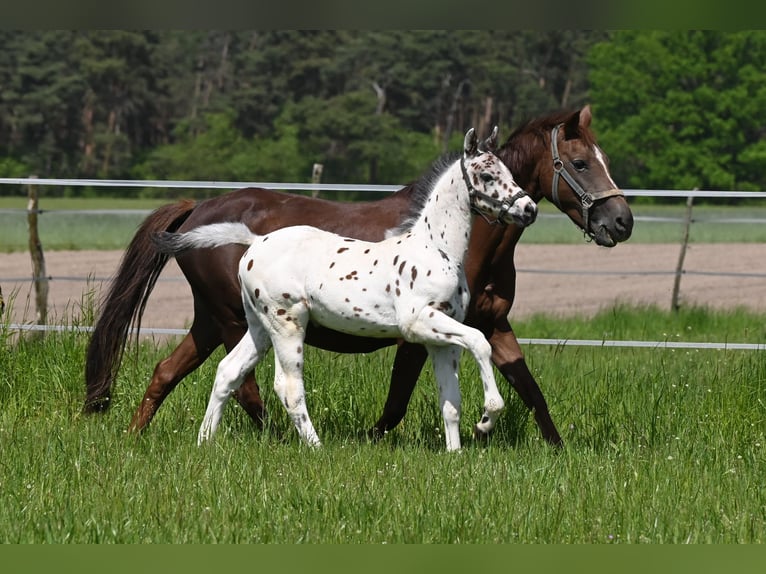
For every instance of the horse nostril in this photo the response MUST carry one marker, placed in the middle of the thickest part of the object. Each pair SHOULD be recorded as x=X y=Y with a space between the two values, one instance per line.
x=624 y=225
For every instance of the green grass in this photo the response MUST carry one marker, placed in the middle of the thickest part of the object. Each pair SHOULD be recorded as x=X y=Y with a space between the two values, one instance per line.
x=661 y=446
x=61 y=230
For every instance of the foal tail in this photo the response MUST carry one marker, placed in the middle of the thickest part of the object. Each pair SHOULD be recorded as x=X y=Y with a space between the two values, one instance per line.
x=213 y=235
x=125 y=302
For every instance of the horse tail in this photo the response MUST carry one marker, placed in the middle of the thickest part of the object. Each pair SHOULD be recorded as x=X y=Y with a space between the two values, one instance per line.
x=213 y=235
x=125 y=303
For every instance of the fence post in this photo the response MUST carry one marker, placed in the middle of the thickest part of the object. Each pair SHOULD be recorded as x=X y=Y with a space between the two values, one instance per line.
x=316 y=177
x=39 y=276
x=674 y=305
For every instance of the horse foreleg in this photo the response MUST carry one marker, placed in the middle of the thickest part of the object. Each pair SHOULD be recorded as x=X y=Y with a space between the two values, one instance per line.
x=446 y=361
x=167 y=374
x=509 y=359
x=229 y=375
x=408 y=363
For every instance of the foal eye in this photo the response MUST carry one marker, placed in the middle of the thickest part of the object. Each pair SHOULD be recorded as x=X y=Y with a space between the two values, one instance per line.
x=579 y=165
x=487 y=177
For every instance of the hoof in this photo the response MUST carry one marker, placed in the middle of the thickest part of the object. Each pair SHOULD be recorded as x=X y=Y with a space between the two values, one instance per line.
x=480 y=435
x=375 y=434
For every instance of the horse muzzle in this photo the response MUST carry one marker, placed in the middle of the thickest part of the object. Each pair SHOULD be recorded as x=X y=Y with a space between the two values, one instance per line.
x=610 y=221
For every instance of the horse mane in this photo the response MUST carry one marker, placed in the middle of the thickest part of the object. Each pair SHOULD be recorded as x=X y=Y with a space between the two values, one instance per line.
x=542 y=126
x=421 y=191
x=527 y=139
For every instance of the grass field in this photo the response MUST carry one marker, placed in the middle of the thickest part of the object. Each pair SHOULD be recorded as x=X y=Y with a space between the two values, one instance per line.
x=65 y=226
x=661 y=446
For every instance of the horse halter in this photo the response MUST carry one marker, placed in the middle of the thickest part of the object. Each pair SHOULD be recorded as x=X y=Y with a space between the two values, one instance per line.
x=587 y=200
x=503 y=206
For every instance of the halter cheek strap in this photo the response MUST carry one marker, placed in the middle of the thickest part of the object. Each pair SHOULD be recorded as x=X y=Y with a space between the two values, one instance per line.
x=503 y=206
x=559 y=170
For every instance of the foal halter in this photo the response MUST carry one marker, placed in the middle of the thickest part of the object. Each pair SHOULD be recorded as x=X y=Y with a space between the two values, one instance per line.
x=586 y=199
x=503 y=206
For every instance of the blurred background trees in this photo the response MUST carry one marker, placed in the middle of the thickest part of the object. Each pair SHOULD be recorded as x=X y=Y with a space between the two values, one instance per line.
x=677 y=109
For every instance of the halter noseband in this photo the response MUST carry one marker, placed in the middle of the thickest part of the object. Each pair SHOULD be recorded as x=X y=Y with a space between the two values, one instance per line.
x=586 y=199
x=504 y=205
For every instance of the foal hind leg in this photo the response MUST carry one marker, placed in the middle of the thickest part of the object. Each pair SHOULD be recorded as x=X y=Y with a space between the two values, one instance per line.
x=289 y=387
x=229 y=376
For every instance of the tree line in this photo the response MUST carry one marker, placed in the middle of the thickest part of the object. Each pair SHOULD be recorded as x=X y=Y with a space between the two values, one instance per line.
x=678 y=109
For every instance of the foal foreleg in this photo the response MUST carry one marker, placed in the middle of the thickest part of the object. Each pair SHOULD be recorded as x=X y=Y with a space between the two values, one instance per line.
x=445 y=361
x=229 y=376
x=433 y=327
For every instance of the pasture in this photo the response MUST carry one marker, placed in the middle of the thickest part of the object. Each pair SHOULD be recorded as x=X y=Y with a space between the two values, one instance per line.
x=661 y=446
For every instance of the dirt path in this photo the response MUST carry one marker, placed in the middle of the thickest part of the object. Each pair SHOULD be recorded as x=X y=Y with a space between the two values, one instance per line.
x=595 y=277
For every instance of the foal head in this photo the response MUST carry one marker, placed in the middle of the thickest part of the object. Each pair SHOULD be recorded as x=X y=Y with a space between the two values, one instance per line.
x=492 y=189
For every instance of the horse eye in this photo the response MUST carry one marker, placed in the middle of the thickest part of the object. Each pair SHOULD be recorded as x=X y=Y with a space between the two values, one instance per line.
x=579 y=165
x=487 y=177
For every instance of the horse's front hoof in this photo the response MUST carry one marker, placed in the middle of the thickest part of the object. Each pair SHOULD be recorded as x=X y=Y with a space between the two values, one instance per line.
x=375 y=434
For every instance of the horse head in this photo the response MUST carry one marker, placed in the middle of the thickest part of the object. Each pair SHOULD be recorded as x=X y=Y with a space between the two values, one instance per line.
x=491 y=186
x=580 y=183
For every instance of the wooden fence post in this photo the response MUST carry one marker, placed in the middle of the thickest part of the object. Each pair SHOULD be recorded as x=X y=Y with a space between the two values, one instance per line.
x=39 y=275
x=674 y=304
x=316 y=177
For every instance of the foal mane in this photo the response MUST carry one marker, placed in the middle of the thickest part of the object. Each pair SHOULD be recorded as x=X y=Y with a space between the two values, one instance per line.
x=421 y=191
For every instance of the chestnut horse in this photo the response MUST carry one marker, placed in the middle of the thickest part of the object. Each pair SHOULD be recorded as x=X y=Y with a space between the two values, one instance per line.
x=554 y=157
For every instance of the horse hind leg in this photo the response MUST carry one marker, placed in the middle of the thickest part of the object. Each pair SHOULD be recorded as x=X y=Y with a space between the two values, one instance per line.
x=229 y=376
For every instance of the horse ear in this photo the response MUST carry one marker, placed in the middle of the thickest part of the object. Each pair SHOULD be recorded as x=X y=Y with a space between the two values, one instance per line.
x=470 y=145
x=577 y=123
x=490 y=144
x=572 y=126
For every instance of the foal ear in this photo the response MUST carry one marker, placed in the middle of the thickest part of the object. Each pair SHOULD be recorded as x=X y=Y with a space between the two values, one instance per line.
x=490 y=144
x=471 y=144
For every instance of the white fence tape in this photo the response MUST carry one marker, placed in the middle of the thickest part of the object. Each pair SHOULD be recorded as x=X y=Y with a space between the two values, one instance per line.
x=288 y=186
x=551 y=342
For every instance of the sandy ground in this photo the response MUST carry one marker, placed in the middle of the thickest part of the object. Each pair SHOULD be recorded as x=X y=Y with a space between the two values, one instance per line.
x=594 y=277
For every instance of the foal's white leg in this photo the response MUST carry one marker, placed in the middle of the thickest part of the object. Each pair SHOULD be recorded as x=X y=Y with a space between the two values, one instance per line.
x=433 y=327
x=229 y=376
x=288 y=334
x=288 y=385
x=446 y=361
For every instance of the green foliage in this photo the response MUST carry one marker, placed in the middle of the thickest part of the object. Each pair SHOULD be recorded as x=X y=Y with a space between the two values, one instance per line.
x=682 y=109
x=673 y=109
x=660 y=447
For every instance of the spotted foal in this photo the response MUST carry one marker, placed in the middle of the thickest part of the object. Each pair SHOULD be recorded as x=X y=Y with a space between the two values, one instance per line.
x=411 y=285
